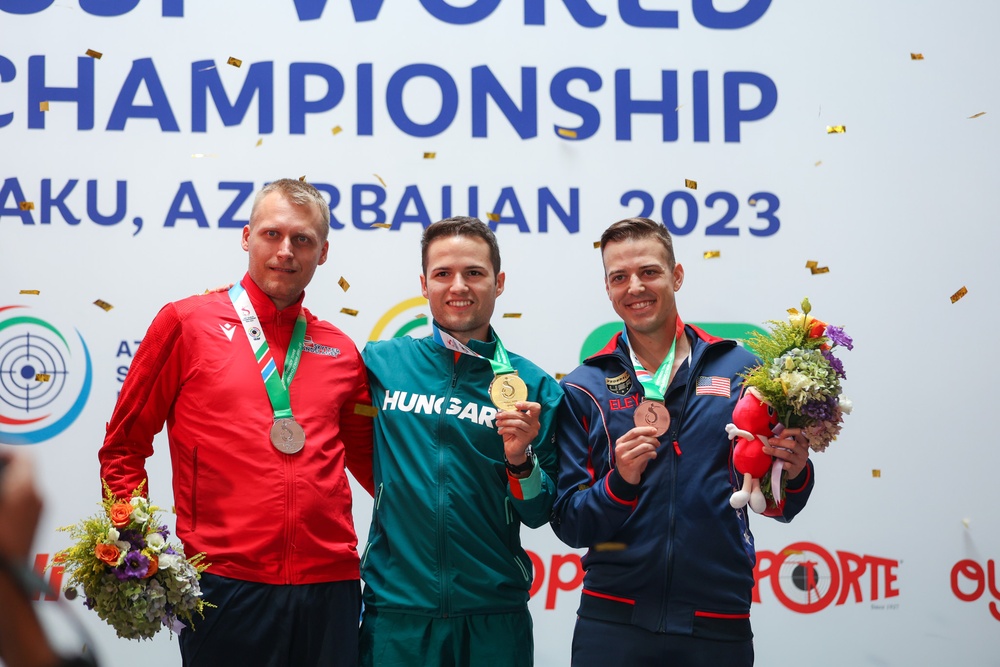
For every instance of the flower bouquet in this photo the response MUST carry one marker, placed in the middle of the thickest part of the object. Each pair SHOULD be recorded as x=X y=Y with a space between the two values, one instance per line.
x=131 y=575
x=795 y=385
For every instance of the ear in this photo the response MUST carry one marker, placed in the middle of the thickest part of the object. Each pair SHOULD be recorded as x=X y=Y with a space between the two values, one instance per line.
x=678 y=277
x=501 y=277
x=245 y=242
x=423 y=286
x=322 y=256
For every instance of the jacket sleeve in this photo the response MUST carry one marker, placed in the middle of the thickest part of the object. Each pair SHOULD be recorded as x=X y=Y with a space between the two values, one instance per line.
x=356 y=430
x=533 y=497
x=592 y=500
x=146 y=398
x=797 y=492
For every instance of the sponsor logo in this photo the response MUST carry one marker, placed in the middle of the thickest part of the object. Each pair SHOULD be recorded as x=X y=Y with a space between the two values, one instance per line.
x=970 y=581
x=807 y=578
x=315 y=348
x=620 y=384
x=406 y=318
x=228 y=329
x=45 y=377
x=624 y=403
x=255 y=333
x=423 y=404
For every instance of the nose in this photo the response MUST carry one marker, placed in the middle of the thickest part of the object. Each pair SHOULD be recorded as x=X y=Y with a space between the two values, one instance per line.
x=285 y=248
x=458 y=283
x=635 y=285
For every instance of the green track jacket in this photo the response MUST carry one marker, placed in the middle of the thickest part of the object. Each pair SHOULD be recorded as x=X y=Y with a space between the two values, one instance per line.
x=444 y=538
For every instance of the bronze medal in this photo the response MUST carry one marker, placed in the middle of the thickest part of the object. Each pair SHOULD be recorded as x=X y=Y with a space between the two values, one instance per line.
x=506 y=390
x=287 y=436
x=652 y=413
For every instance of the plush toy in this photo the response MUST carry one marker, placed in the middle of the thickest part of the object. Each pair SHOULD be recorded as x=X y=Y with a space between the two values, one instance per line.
x=754 y=421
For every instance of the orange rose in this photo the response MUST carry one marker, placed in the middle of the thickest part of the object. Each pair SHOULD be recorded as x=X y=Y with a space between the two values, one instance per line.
x=816 y=327
x=154 y=566
x=107 y=553
x=120 y=514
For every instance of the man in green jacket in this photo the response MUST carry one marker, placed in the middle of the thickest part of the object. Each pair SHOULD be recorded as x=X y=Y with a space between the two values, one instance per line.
x=464 y=454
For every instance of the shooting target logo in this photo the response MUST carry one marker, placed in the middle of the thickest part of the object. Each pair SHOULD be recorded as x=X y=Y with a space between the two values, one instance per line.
x=45 y=377
x=406 y=318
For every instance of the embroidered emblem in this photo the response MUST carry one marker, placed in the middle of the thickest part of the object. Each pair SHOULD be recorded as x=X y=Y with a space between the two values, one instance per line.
x=620 y=384
x=315 y=348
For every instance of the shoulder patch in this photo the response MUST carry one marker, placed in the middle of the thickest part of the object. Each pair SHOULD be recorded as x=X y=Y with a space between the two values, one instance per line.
x=620 y=384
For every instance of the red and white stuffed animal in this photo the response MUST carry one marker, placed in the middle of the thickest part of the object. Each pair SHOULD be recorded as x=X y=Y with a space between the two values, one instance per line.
x=754 y=421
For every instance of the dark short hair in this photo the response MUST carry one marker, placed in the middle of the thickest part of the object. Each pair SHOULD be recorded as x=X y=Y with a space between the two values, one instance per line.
x=461 y=226
x=634 y=229
x=299 y=193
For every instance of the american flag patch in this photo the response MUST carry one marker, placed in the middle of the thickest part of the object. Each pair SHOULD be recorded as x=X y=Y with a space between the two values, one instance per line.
x=712 y=386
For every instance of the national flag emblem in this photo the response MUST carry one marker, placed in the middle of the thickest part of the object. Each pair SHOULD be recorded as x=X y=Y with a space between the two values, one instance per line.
x=712 y=386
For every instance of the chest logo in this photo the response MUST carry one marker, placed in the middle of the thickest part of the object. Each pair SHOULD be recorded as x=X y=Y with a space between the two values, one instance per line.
x=228 y=329
x=620 y=384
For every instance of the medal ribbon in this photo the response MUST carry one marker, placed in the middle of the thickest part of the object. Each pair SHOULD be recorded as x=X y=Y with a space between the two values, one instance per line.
x=276 y=384
x=500 y=363
x=654 y=384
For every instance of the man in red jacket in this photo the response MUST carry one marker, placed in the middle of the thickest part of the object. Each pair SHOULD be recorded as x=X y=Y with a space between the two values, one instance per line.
x=259 y=398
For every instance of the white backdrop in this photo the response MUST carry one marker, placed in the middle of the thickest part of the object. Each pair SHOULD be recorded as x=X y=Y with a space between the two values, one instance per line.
x=898 y=207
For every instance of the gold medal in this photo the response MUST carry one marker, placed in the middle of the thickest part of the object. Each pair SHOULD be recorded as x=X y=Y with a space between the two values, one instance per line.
x=287 y=436
x=506 y=390
x=652 y=413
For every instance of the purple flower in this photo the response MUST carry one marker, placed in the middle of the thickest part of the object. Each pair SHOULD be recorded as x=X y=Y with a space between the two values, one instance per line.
x=838 y=337
x=135 y=566
x=835 y=363
x=820 y=411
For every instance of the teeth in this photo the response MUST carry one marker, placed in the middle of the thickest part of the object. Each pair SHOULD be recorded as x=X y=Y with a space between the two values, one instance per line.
x=642 y=304
x=460 y=304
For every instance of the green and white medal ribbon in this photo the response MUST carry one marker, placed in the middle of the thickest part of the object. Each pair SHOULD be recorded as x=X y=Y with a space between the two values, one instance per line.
x=652 y=411
x=506 y=388
x=286 y=434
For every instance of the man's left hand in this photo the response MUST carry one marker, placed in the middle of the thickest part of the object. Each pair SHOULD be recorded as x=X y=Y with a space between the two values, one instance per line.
x=518 y=428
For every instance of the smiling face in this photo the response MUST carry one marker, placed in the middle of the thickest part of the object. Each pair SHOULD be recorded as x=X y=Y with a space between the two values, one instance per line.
x=286 y=242
x=641 y=284
x=460 y=285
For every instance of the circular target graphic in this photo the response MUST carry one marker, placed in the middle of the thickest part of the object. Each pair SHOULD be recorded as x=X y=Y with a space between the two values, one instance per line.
x=44 y=381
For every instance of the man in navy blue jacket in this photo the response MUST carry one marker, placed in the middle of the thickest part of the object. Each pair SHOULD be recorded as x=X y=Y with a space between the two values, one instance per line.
x=645 y=476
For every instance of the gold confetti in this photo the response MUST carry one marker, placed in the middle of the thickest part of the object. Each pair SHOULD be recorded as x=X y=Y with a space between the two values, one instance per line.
x=812 y=264
x=337 y=130
x=173 y=509
x=365 y=410
x=836 y=129
x=560 y=376
x=493 y=217
x=817 y=163
x=819 y=269
x=27 y=206
x=430 y=156
x=610 y=546
x=752 y=202
x=792 y=552
x=793 y=311
x=103 y=304
x=30 y=291
x=302 y=178
x=692 y=185
x=42 y=377
x=975 y=115
x=566 y=132
x=711 y=254
x=43 y=106
x=597 y=244
x=966 y=522
x=235 y=62
x=959 y=294
x=515 y=316
x=349 y=311
x=344 y=285
x=916 y=56
x=876 y=472
x=94 y=54
x=260 y=141
x=382 y=225
x=380 y=180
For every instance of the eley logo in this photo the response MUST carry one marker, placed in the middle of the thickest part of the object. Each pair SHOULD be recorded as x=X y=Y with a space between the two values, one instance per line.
x=45 y=377
x=807 y=578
